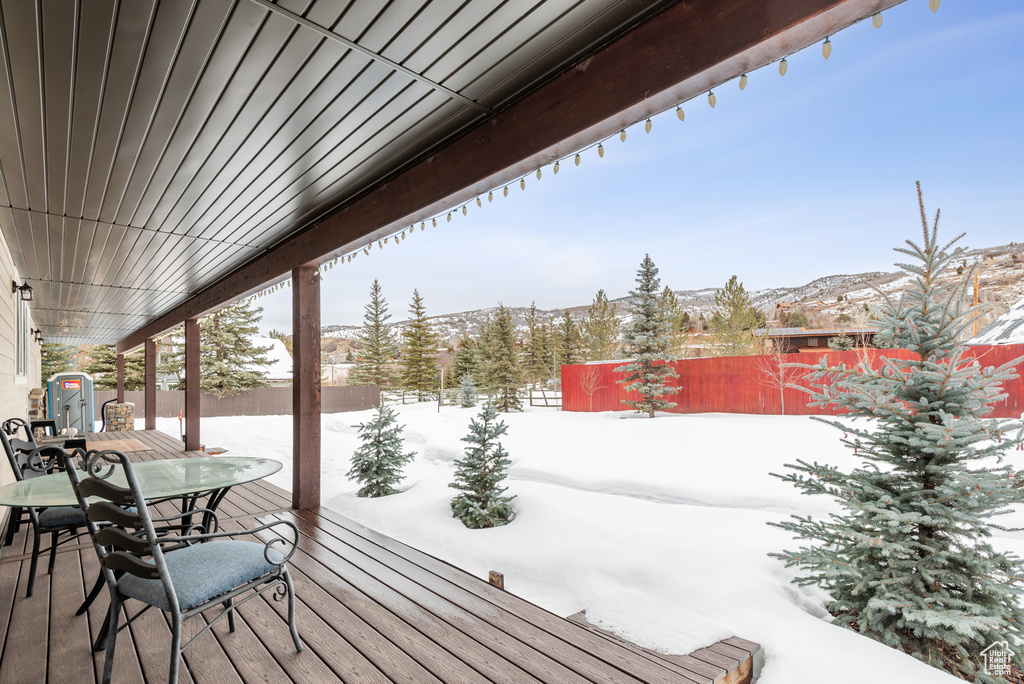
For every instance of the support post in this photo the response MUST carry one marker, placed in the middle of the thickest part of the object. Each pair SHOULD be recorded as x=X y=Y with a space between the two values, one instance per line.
x=305 y=387
x=149 y=405
x=120 y=378
x=192 y=383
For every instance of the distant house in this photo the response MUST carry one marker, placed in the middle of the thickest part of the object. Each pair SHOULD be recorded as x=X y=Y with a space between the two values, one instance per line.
x=791 y=340
x=1007 y=329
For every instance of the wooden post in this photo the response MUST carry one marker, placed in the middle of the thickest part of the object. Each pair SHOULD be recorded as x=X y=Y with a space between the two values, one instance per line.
x=120 y=378
x=305 y=387
x=192 y=382
x=496 y=578
x=149 y=405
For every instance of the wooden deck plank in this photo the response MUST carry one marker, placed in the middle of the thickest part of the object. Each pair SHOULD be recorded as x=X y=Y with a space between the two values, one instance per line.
x=369 y=609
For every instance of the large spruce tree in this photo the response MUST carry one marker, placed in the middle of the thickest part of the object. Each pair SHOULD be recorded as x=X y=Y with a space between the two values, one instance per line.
x=420 y=372
x=479 y=475
x=535 y=350
x=569 y=348
x=600 y=329
x=677 y=321
x=733 y=325
x=465 y=361
x=55 y=358
x=646 y=342
x=102 y=367
x=908 y=561
x=377 y=343
x=502 y=372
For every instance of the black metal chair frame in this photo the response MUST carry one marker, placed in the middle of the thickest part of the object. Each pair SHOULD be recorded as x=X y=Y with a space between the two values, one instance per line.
x=128 y=539
x=28 y=460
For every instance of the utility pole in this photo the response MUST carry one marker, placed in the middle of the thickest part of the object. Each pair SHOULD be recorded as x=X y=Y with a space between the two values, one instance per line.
x=975 y=302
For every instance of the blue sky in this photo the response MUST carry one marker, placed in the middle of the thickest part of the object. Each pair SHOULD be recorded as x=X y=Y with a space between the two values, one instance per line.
x=791 y=179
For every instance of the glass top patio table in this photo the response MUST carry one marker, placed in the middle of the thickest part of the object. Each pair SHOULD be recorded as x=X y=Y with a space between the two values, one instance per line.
x=159 y=479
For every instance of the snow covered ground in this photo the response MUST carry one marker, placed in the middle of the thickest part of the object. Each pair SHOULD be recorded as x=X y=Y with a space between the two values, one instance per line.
x=655 y=527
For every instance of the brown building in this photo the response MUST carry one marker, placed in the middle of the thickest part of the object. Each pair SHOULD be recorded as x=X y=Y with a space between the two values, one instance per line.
x=791 y=340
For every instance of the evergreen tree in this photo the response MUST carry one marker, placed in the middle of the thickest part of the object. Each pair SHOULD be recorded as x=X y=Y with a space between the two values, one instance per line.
x=677 y=321
x=732 y=326
x=533 y=352
x=841 y=342
x=480 y=474
x=600 y=329
x=646 y=342
x=503 y=372
x=101 y=365
x=908 y=561
x=483 y=357
x=420 y=372
x=467 y=391
x=229 y=361
x=570 y=342
x=377 y=343
x=465 y=361
x=548 y=342
x=55 y=358
x=349 y=358
x=286 y=340
x=377 y=463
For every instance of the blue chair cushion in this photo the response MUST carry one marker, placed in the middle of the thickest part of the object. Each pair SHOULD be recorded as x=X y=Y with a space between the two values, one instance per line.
x=56 y=517
x=201 y=572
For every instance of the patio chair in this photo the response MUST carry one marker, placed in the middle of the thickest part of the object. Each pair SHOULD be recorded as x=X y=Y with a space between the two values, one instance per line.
x=27 y=461
x=181 y=574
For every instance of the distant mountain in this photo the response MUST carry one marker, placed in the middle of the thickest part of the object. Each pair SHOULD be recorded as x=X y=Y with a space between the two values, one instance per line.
x=1001 y=280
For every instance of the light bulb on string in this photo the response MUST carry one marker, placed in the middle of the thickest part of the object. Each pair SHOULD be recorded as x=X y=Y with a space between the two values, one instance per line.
x=876 y=20
x=403 y=234
x=680 y=114
x=600 y=150
x=490 y=196
x=506 y=191
x=933 y=5
x=366 y=250
x=423 y=225
x=449 y=217
x=577 y=160
x=538 y=174
x=464 y=210
x=648 y=125
x=622 y=135
x=479 y=203
x=783 y=67
x=433 y=222
x=743 y=81
x=555 y=169
x=711 y=98
x=826 y=48
x=522 y=183
x=385 y=241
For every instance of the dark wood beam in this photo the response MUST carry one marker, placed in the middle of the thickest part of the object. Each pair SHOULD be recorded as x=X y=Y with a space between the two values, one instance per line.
x=149 y=406
x=192 y=385
x=120 y=378
x=677 y=55
x=305 y=387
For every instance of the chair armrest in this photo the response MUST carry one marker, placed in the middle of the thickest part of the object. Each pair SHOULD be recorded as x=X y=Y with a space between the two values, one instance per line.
x=198 y=511
x=294 y=542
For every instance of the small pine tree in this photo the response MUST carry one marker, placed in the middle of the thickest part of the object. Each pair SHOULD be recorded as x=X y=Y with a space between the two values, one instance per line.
x=377 y=344
x=467 y=392
x=480 y=474
x=102 y=367
x=420 y=372
x=908 y=561
x=841 y=342
x=377 y=463
x=55 y=358
x=570 y=342
x=600 y=329
x=465 y=361
x=646 y=341
x=503 y=373
x=732 y=326
x=677 y=321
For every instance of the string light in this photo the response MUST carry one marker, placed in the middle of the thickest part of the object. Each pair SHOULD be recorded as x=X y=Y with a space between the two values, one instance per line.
x=449 y=217
x=490 y=196
x=380 y=245
x=577 y=159
x=743 y=81
x=423 y=225
x=622 y=135
x=433 y=222
x=479 y=203
x=522 y=183
x=876 y=20
x=648 y=125
x=783 y=67
x=538 y=174
x=680 y=114
x=826 y=48
x=464 y=211
x=555 y=168
x=933 y=5
x=711 y=98
x=600 y=150
x=506 y=191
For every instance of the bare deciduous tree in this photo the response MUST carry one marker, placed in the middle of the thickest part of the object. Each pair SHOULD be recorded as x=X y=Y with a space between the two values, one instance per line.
x=775 y=373
x=589 y=380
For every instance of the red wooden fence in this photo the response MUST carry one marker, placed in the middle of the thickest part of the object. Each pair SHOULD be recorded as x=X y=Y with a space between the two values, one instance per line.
x=742 y=384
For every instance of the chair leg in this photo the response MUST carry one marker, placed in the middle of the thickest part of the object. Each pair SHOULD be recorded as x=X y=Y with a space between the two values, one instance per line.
x=53 y=552
x=291 y=612
x=12 y=526
x=34 y=563
x=92 y=595
x=229 y=607
x=175 y=649
x=113 y=617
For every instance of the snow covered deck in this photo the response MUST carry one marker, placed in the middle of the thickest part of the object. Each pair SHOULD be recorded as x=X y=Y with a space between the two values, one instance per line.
x=370 y=609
